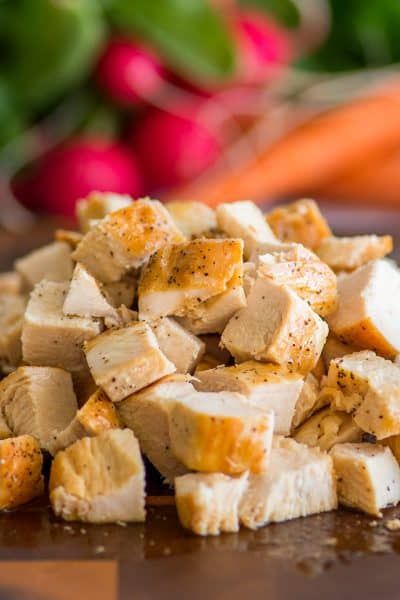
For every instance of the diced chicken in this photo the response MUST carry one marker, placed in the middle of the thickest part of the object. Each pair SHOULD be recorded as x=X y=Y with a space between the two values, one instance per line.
x=123 y=361
x=393 y=443
x=304 y=273
x=193 y=219
x=368 y=314
x=220 y=432
x=207 y=362
x=48 y=336
x=249 y=276
x=147 y=414
x=12 y=308
x=244 y=220
x=38 y=401
x=124 y=316
x=180 y=346
x=178 y=278
x=5 y=431
x=308 y=402
x=122 y=292
x=98 y=414
x=299 y=481
x=125 y=239
x=72 y=238
x=21 y=477
x=11 y=282
x=97 y=205
x=87 y=298
x=266 y=386
x=300 y=222
x=368 y=476
x=334 y=348
x=99 y=479
x=327 y=428
x=276 y=326
x=349 y=253
x=52 y=262
x=208 y=504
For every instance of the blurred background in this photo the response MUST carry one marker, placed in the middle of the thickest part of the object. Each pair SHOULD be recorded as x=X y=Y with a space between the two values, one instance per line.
x=203 y=100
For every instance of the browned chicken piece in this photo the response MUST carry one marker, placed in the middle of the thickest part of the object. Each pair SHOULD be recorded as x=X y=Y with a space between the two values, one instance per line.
x=147 y=414
x=52 y=262
x=11 y=282
x=246 y=221
x=180 y=277
x=309 y=401
x=98 y=414
x=48 y=336
x=97 y=205
x=124 y=316
x=122 y=292
x=125 y=239
x=368 y=314
x=87 y=298
x=349 y=253
x=266 y=386
x=208 y=503
x=193 y=219
x=327 y=428
x=72 y=238
x=123 y=361
x=99 y=479
x=12 y=308
x=180 y=346
x=5 y=431
x=21 y=477
x=304 y=273
x=276 y=326
x=334 y=348
x=38 y=401
x=249 y=276
x=301 y=222
x=220 y=432
x=207 y=362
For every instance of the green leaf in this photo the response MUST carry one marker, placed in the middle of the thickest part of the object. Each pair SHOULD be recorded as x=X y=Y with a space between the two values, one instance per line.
x=47 y=46
x=188 y=34
x=284 y=11
x=10 y=120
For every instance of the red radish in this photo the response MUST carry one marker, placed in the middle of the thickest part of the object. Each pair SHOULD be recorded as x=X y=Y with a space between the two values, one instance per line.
x=73 y=170
x=129 y=73
x=174 y=147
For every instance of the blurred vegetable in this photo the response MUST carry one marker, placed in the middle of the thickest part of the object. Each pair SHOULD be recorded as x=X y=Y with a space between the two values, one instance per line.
x=284 y=11
x=10 y=119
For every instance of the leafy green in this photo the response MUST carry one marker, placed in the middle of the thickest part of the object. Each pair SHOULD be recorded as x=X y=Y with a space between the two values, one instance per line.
x=10 y=121
x=284 y=11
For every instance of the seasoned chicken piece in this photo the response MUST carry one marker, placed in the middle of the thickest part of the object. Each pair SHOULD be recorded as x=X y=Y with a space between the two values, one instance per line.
x=368 y=314
x=12 y=308
x=304 y=273
x=52 y=262
x=301 y=222
x=124 y=316
x=299 y=481
x=97 y=205
x=72 y=238
x=38 y=401
x=276 y=326
x=327 y=428
x=266 y=386
x=99 y=479
x=207 y=362
x=122 y=292
x=208 y=504
x=21 y=477
x=87 y=298
x=368 y=476
x=308 y=402
x=349 y=253
x=125 y=239
x=393 y=442
x=180 y=277
x=334 y=348
x=244 y=220
x=123 y=361
x=48 y=336
x=5 y=431
x=11 y=282
x=193 y=219
x=180 y=346
x=147 y=413
x=98 y=414
x=249 y=276
x=220 y=432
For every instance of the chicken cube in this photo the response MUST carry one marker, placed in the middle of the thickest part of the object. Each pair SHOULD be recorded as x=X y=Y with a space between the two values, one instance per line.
x=87 y=298
x=327 y=428
x=125 y=239
x=193 y=219
x=147 y=414
x=266 y=386
x=21 y=477
x=38 y=401
x=309 y=401
x=368 y=476
x=178 y=278
x=208 y=503
x=180 y=346
x=72 y=238
x=99 y=479
x=11 y=282
x=52 y=262
x=368 y=314
x=48 y=336
x=276 y=326
x=5 y=431
x=97 y=205
x=123 y=361
x=299 y=481
x=349 y=253
x=244 y=220
x=220 y=432
x=12 y=308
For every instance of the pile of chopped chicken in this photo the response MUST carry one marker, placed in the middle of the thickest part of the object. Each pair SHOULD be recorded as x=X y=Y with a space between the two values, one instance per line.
x=252 y=359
